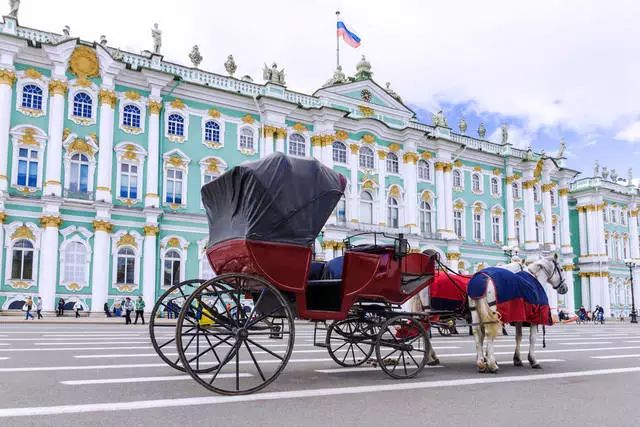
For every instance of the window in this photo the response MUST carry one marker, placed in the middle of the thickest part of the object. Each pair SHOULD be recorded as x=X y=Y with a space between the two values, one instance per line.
x=516 y=190
x=552 y=196
x=22 y=260
x=614 y=216
x=457 y=179
x=129 y=181
x=176 y=125
x=392 y=212
x=623 y=218
x=457 y=223
x=536 y=194
x=208 y=178
x=475 y=183
x=606 y=245
x=27 y=167
x=366 y=208
x=496 y=225
x=131 y=116
x=246 y=139
x=477 y=226
x=425 y=217
x=32 y=97
x=366 y=158
x=126 y=266
x=392 y=163
x=172 y=262
x=538 y=233
x=339 y=152
x=341 y=210
x=297 y=145
x=625 y=250
x=79 y=173
x=554 y=234
x=82 y=105
x=211 y=131
x=424 y=171
x=518 y=226
x=495 y=190
x=174 y=186
x=605 y=215
x=75 y=263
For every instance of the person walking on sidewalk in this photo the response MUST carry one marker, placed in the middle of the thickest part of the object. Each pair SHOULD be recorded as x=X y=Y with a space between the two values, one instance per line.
x=128 y=308
x=106 y=309
x=39 y=307
x=139 y=310
x=60 y=307
x=29 y=305
x=77 y=307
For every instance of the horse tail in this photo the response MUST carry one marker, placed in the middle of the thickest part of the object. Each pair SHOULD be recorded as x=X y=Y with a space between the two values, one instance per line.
x=490 y=319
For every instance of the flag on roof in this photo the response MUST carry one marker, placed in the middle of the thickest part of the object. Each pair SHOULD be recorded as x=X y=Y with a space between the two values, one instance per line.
x=349 y=37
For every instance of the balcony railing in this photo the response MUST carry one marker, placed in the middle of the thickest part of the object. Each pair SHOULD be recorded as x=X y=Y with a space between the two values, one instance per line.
x=77 y=195
x=359 y=226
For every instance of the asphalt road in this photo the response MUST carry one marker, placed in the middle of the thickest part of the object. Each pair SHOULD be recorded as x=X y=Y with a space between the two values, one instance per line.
x=109 y=375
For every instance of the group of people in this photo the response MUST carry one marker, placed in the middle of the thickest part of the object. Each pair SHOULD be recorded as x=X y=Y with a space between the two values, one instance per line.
x=77 y=307
x=28 y=307
x=128 y=306
x=596 y=316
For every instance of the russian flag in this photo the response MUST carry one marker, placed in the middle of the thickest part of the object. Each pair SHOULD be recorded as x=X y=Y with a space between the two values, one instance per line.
x=349 y=37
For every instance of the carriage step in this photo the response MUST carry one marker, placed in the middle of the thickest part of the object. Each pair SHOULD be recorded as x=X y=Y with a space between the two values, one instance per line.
x=320 y=344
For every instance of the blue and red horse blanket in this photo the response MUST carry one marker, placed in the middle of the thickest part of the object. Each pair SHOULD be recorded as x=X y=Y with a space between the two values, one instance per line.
x=520 y=296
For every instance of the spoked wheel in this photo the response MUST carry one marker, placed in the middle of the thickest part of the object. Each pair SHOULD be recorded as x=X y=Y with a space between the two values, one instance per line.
x=351 y=341
x=163 y=330
x=444 y=331
x=402 y=347
x=243 y=351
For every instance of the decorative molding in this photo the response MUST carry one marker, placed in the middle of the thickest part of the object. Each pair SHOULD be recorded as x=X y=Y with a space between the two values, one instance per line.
x=84 y=63
x=410 y=158
x=151 y=230
x=355 y=148
x=368 y=138
x=154 y=107
x=382 y=154
x=425 y=155
x=366 y=111
x=563 y=192
x=7 y=77
x=132 y=95
x=128 y=240
x=299 y=127
x=458 y=163
x=107 y=97
x=100 y=225
x=3 y=216
x=451 y=256
x=548 y=187
x=213 y=113
x=58 y=87
x=23 y=232
x=281 y=133
x=51 y=221
x=177 y=104
x=341 y=135
x=394 y=147
x=248 y=119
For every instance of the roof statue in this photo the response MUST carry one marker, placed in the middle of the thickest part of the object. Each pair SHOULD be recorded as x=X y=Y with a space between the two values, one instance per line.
x=439 y=119
x=156 y=35
x=273 y=75
x=230 y=65
x=66 y=32
x=103 y=41
x=605 y=173
x=614 y=175
x=596 y=168
x=629 y=176
x=246 y=78
x=504 y=133
x=563 y=148
x=529 y=152
x=337 y=78
x=392 y=92
x=482 y=131
x=462 y=125
x=14 y=7
x=195 y=56
x=363 y=69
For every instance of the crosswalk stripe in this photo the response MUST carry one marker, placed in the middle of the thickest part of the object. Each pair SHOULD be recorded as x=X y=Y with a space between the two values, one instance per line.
x=145 y=379
x=72 y=349
x=617 y=356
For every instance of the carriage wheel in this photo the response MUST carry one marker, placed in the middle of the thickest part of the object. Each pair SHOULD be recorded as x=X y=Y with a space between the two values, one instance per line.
x=444 y=331
x=402 y=347
x=162 y=330
x=351 y=341
x=243 y=351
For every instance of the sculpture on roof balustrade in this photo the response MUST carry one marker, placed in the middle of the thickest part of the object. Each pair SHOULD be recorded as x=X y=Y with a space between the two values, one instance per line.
x=156 y=35
x=562 y=149
x=504 y=130
x=337 y=78
x=462 y=125
x=103 y=41
x=439 y=119
x=614 y=175
x=273 y=75
x=629 y=176
x=14 y=8
x=482 y=131
x=605 y=172
x=392 y=92
x=596 y=169
x=230 y=65
x=195 y=56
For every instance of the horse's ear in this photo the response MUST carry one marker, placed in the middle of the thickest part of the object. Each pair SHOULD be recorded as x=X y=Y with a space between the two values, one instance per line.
x=555 y=256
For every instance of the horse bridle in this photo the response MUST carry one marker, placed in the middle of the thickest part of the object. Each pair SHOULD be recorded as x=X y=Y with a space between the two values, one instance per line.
x=556 y=269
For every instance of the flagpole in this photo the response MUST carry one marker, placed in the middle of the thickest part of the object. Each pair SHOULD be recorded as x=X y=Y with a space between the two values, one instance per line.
x=337 y=41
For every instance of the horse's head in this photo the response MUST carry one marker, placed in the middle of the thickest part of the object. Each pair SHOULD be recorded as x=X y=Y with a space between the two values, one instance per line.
x=549 y=268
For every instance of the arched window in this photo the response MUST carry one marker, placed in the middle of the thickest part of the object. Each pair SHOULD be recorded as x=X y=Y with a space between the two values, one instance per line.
x=22 y=260
x=212 y=131
x=477 y=226
x=366 y=158
x=538 y=232
x=457 y=178
x=129 y=180
x=82 y=105
x=425 y=217
x=126 y=264
x=552 y=195
x=518 y=226
x=131 y=116
x=339 y=152
x=457 y=223
x=475 y=182
x=174 y=186
x=27 y=167
x=516 y=190
x=536 y=194
x=172 y=263
x=32 y=97
x=79 y=173
x=341 y=210
x=554 y=233
x=392 y=212
x=424 y=171
x=392 y=163
x=297 y=145
x=366 y=208
x=246 y=139
x=496 y=228
x=495 y=190
x=176 y=125
x=614 y=216
x=75 y=263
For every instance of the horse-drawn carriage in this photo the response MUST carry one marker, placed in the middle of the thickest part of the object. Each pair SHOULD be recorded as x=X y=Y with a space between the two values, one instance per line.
x=263 y=220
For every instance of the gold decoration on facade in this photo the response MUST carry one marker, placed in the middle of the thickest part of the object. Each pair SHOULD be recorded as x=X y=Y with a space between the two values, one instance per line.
x=594 y=274
x=132 y=95
x=177 y=104
x=212 y=166
x=213 y=113
x=539 y=218
x=125 y=288
x=461 y=265
x=382 y=154
x=439 y=166
x=368 y=184
x=23 y=232
x=82 y=82
x=28 y=137
x=354 y=148
x=634 y=213
x=368 y=138
x=130 y=152
x=19 y=284
x=527 y=185
x=497 y=172
x=73 y=286
x=173 y=242
x=154 y=107
x=57 y=87
x=101 y=225
x=451 y=256
x=7 y=77
x=51 y=221
x=151 y=230
x=548 y=187
x=563 y=192
x=65 y=133
x=79 y=145
x=511 y=179
x=32 y=73
x=394 y=191
x=299 y=127
x=127 y=240
x=554 y=220
x=410 y=158
x=176 y=161
x=366 y=111
x=394 y=147
x=426 y=196
x=341 y=135
x=425 y=155
x=497 y=210
x=3 y=216
x=568 y=267
x=316 y=140
x=458 y=205
x=107 y=97
x=477 y=208
x=84 y=63
x=248 y=119
x=538 y=170
x=518 y=215
x=480 y=266
x=458 y=163
x=280 y=132
x=477 y=169
x=269 y=131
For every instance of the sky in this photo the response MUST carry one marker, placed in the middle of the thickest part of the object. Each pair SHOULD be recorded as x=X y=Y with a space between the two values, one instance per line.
x=550 y=69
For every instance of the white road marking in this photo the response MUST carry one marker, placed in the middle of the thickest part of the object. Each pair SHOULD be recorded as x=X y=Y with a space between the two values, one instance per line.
x=145 y=379
x=358 y=369
x=73 y=348
x=113 y=343
x=565 y=350
x=4 y=358
x=586 y=343
x=617 y=356
x=506 y=362
x=298 y=394
x=55 y=340
x=66 y=336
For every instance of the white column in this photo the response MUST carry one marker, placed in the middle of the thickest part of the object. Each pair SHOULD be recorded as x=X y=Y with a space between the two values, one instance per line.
x=268 y=140
x=100 y=264
x=530 y=242
x=152 y=199
x=355 y=197
x=606 y=296
x=586 y=291
x=441 y=196
x=316 y=147
x=280 y=135
x=633 y=233
x=48 y=273
x=600 y=229
x=327 y=150
x=565 y=233
x=3 y=215
x=448 y=200
x=546 y=208
x=411 y=191
x=7 y=78
x=592 y=247
x=52 y=185
x=569 y=297
x=582 y=226
x=105 y=156
x=149 y=265
x=382 y=190
x=512 y=239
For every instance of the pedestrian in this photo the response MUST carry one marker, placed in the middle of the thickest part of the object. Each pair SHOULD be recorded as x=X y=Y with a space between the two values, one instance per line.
x=77 y=307
x=106 y=309
x=128 y=308
x=61 y=307
x=139 y=310
x=39 y=307
x=29 y=305
x=117 y=308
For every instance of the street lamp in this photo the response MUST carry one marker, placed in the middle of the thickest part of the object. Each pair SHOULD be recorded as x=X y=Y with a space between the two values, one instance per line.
x=509 y=252
x=634 y=314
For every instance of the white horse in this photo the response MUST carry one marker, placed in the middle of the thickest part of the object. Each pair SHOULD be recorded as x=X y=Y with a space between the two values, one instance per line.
x=486 y=321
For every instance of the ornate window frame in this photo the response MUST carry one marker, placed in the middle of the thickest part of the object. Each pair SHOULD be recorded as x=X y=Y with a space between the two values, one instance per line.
x=497 y=212
x=518 y=215
x=202 y=259
x=305 y=141
x=132 y=98
x=459 y=205
x=516 y=190
x=31 y=137
x=346 y=153
x=427 y=197
x=175 y=159
x=371 y=202
x=479 y=208
x=431 y=171
x=460 y=171
x=373 y=156
x=181 y=246
x=480 y=183
x=176 y=107
x=129 y=239
x=221 y=128
x=73 y=234
x=255 y=133
x=92 y=91
x=74 y=145
x=32 y=77
x=498 y=183
x=14 y=232
x=130 y=153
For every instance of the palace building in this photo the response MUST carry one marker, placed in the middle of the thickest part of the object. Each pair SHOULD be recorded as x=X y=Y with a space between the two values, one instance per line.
x=103 y=153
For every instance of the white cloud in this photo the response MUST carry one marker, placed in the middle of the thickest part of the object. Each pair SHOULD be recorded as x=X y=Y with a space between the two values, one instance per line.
x=630 y=133
x=518 y=137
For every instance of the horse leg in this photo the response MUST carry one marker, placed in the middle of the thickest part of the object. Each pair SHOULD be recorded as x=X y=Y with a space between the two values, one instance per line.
x=517 y=361
x=478 y=336
x=533 y=331
x=492 y=327
x=432 y=358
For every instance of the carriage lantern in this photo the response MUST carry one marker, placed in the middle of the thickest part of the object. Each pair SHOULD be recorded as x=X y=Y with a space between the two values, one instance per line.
x=632 y=264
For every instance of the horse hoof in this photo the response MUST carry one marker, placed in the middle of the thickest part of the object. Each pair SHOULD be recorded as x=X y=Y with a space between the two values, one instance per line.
x=536 y=366
x=434 y=362
x=517 y=362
